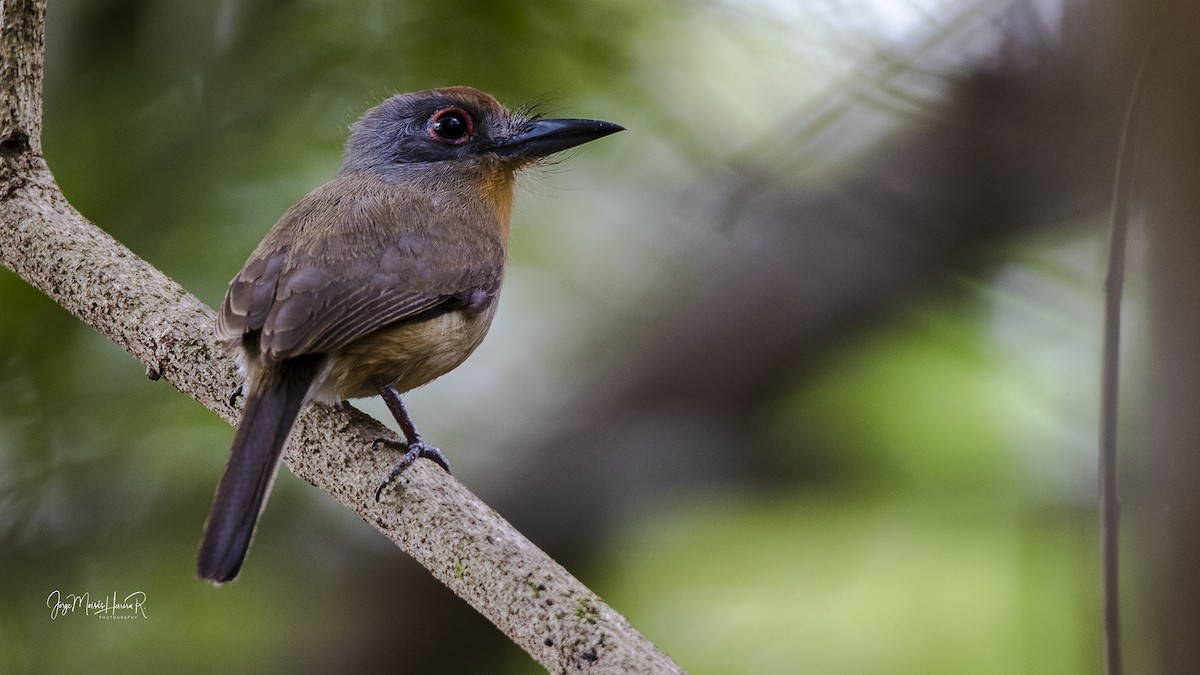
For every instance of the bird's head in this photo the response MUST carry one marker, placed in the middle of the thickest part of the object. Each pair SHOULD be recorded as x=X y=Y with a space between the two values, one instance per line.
x=456 y=129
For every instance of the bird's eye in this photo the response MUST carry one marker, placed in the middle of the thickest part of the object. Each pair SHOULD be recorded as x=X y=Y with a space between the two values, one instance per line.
x=451 y=126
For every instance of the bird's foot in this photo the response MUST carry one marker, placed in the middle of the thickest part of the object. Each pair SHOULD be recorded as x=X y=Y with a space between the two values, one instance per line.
x=413 y=450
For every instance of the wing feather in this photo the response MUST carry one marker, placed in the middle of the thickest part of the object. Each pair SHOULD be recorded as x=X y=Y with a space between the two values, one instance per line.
x=353 y=256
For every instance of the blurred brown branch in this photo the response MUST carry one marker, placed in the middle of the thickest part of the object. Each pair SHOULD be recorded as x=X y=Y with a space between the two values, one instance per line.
x=463 y=542
x=1014 y=142
x=1166 y=175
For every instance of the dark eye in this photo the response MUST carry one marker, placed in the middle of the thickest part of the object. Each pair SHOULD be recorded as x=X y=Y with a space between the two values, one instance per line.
x=451 y=126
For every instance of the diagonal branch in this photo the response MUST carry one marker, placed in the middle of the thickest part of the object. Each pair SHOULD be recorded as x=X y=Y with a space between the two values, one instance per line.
x=463 y=542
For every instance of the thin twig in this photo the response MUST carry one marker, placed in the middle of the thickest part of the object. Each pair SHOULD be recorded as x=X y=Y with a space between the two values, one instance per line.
x=1110 y=514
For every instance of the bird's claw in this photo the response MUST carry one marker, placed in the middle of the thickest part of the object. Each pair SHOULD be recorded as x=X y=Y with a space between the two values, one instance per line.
x=413 y=450
x=235 y=395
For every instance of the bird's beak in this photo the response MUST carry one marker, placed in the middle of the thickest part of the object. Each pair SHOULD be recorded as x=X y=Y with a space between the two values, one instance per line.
x=546 y=137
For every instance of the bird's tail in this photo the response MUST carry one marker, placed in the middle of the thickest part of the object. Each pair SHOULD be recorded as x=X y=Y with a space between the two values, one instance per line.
x=271 y=408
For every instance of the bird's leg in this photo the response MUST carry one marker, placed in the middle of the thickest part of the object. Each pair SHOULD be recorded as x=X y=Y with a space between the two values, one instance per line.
x=412 y=439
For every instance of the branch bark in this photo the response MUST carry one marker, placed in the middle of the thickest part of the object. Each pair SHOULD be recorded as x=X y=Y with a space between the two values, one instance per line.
x=463 y=542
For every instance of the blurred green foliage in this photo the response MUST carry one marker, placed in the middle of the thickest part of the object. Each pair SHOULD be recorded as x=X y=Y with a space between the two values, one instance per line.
x=947 y=530
x=826 y=584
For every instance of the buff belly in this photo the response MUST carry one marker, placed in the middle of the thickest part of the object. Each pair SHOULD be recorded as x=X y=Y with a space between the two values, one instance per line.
x=406 y=356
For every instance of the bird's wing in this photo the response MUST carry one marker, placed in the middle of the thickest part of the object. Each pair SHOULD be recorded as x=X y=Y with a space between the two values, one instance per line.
x=346 y=260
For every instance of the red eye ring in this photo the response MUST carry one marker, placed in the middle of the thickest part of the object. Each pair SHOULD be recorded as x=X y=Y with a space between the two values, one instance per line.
x=452 y=126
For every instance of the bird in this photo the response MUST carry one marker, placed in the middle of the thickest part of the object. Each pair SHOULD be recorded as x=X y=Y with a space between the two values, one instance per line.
x=374 y=283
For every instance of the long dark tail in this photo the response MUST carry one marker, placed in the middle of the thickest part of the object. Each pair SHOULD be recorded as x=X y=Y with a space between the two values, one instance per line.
x=267 y=419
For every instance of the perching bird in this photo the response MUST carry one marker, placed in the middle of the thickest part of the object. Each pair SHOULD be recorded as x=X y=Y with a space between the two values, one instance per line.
x=377 y=282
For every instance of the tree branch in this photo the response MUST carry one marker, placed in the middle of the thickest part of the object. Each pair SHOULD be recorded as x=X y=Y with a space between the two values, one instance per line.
x=464 y=543
x=21 y=55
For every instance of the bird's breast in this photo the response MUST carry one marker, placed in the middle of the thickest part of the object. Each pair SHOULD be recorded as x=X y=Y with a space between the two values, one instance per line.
x=406 y=355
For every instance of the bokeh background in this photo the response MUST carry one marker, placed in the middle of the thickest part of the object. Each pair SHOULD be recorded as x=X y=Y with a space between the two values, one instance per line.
x=800 y=373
